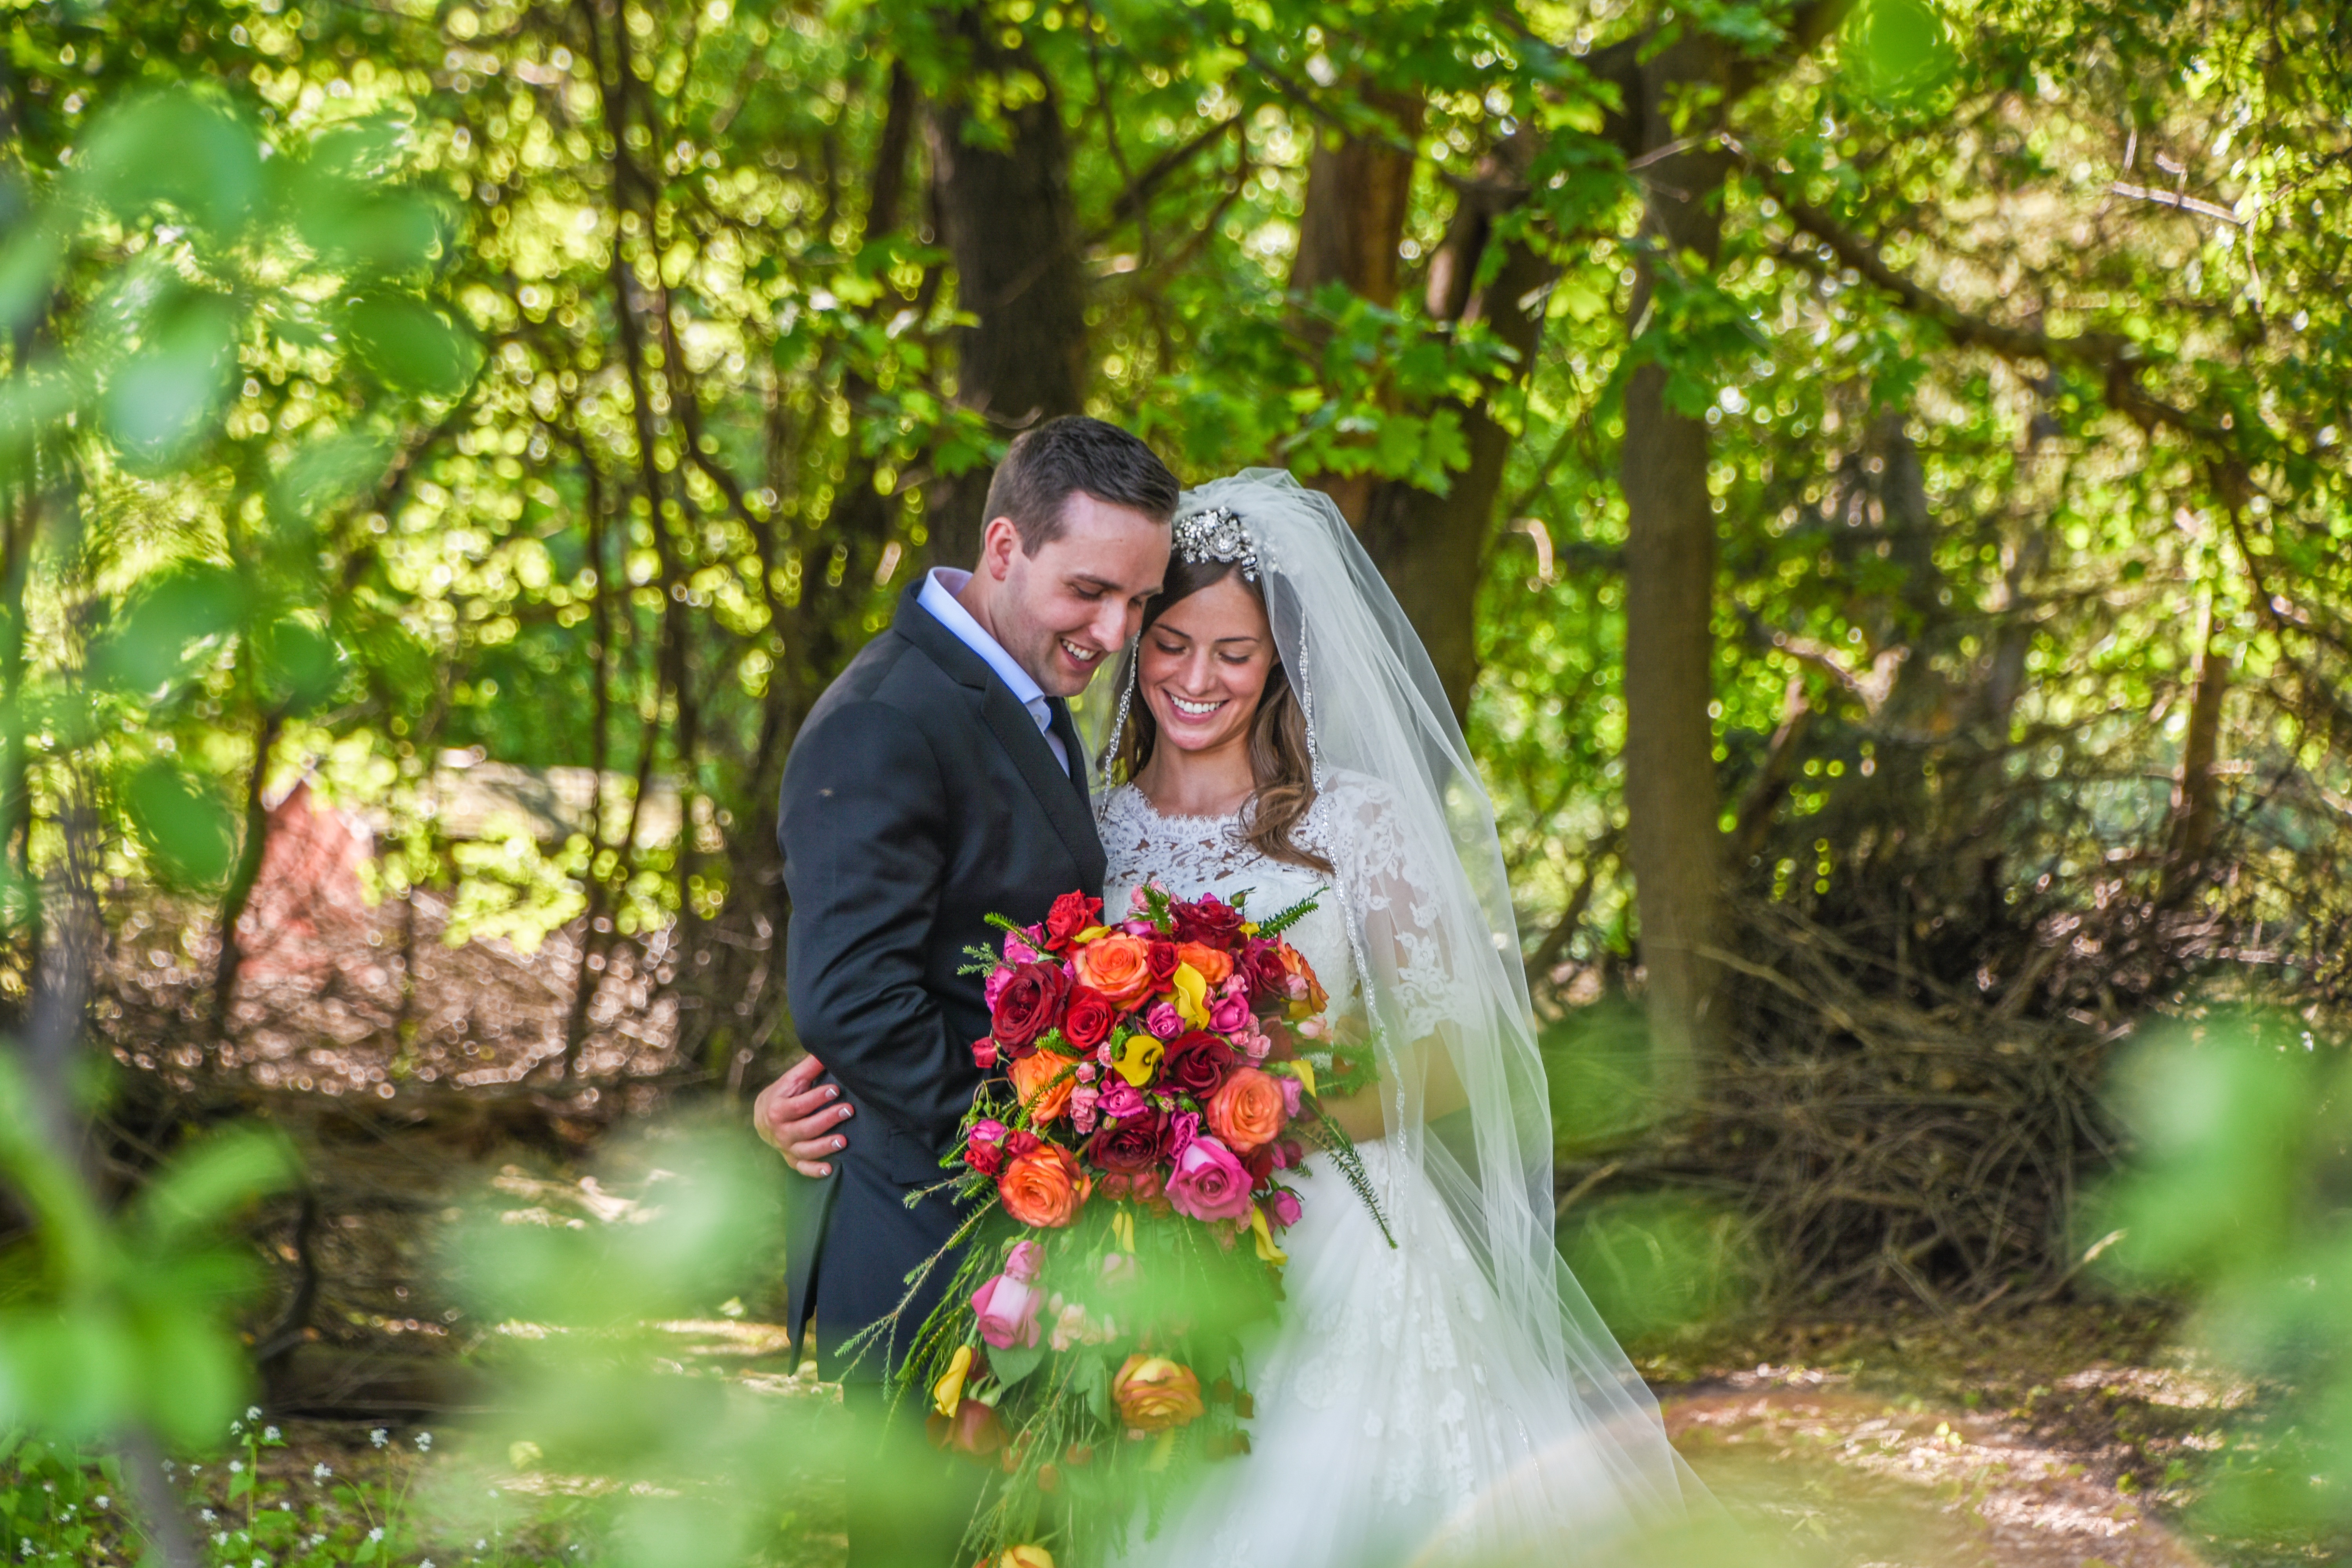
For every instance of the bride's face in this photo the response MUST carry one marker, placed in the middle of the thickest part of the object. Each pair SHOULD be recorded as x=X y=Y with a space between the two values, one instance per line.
x=1203 y=665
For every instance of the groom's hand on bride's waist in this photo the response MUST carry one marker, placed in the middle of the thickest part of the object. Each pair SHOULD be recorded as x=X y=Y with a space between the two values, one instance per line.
x=799 y=1117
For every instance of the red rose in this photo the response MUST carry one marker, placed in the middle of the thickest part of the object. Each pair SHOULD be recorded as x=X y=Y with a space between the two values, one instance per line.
x=1028 y=1005
x=1136 y=1145
x=1087 y=1021
x=975 y=1429
x=1161 y=958
x=983 y=1054
x=1209 y=920
x=1259 y=1164
x=1072 y=913
x=1269 y=980
x=1196 y=1064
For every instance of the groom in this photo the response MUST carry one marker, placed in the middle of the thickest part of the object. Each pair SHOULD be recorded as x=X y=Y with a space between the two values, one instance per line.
x=938 y=781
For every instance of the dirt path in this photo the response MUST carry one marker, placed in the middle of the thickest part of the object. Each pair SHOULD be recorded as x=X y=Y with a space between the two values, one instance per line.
x=1858 y=1481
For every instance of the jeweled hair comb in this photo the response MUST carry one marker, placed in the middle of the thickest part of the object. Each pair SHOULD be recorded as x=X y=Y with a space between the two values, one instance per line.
x=1216 y=534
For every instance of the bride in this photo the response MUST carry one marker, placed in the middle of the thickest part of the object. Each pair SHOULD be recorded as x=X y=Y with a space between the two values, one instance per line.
x=1452 y=1397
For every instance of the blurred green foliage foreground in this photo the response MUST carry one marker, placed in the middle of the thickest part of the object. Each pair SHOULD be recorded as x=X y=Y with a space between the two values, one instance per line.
x=1872 y=476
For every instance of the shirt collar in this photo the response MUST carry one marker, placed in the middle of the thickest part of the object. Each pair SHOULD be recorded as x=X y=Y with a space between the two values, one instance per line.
x=941 y=587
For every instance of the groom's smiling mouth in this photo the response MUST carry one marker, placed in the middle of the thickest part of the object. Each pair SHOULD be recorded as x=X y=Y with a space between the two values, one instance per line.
x=1085 y=657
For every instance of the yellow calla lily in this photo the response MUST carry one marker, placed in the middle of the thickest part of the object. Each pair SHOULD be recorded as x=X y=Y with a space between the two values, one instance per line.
x=947 y=1392
x=1122 y=1225
x=1192 y=995
x=1267 y=1251
x=1091 y=932
x=1138 y=1058
x=1304 y=1071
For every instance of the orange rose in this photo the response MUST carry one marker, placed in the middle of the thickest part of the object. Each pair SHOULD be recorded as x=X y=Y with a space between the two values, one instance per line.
x=1294 y=962
x=1156 y=1394
x=1247 y=1111
x=1213 y=963
x=1033 y=1079
x=1043 y=1188
x=1116 y=965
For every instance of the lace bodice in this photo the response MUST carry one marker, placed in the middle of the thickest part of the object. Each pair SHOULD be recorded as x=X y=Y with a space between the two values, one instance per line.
x=1374 y=921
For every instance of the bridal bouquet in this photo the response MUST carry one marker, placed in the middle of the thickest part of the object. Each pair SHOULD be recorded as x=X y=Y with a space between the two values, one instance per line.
x=1130 y=1177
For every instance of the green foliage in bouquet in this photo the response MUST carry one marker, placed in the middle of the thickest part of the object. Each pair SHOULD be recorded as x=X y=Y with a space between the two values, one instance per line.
x=1126 y=1183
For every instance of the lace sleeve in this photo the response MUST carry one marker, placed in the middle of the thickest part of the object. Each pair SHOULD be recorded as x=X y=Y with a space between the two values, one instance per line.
x=1393 y=911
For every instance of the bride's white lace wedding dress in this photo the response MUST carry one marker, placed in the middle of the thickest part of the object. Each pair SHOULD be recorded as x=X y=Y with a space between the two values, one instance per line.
x=1394 y=1421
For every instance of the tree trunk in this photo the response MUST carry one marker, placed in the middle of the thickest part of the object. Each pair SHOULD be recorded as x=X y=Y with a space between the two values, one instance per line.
x=1432 y=548
x=1009 y=224
x=1673 y=840
x=1349 y=227
x=2196 y=803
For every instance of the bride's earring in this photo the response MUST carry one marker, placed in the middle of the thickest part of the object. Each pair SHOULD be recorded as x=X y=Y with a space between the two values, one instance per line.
x=1118 y=723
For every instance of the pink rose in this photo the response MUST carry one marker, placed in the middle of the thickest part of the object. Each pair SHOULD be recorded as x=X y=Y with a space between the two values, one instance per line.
x=1284 y=1208
x=1164 y=1022
x=983 y=1150
x=1255 y=1046
x=1121 y=1100
x=1082 y=1108
x=1209 y=1183
x=1290 y=1092
x=1136 y=901
x=1020 y=947
x=1231 y=1015
x=1023 y=1261
x=1183 y=1129
x=1008 y=1309
x=993 y=986
x=1139 y=928
x=1073 y=1326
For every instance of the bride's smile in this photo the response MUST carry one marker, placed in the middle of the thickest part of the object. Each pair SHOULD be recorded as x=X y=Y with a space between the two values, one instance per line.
x=1203 y=667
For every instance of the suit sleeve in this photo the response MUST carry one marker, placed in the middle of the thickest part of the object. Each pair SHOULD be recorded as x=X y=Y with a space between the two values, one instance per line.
x=864 y=828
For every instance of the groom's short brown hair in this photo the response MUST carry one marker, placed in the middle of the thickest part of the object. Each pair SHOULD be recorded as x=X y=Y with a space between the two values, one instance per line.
x=1045 y=465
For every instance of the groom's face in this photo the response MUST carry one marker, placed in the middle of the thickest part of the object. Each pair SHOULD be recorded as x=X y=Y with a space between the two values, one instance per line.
x=1064 y=612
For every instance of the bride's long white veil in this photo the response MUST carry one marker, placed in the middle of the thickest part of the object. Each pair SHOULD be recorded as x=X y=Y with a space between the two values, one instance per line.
x=1439 y=967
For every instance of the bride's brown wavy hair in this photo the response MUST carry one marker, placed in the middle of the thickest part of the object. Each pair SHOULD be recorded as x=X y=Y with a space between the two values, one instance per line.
x=1280 y=762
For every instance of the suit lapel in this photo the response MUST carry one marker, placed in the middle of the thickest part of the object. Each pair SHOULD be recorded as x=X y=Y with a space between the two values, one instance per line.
x=1063 y=798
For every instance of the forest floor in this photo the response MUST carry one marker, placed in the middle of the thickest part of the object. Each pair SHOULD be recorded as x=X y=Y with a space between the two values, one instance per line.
x=2071 y=1437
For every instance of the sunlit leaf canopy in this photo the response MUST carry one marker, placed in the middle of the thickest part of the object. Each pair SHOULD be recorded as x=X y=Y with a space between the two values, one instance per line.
x=579 y=382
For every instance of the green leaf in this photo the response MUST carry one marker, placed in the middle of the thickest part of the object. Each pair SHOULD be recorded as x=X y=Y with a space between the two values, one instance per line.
x=1011 y=1365
x=186 y=827
x=1898 y=50
x=176 y=152
x=215 y=1180
x=161 y=398
x=149 y=647
x=411 y=345
x=297 y=663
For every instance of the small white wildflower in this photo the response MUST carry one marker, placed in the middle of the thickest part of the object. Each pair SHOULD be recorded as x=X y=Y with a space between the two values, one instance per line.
x=376 y=1534
x=269 y=1433
x=236 y=1467
x=379 y=1436
x=425 y=1442
x=103 y=1500
x=208 y=1516
x=253 y=1413
x=235 y=1427
x=220 y=1537
x=427 y=1564
x=479 y=1545
x=319 y=1472
x=261 y=1563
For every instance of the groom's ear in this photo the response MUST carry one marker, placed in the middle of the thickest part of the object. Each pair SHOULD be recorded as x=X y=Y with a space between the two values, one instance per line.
x=999 y=543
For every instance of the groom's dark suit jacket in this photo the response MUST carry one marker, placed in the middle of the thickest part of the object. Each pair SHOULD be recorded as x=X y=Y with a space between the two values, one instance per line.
x=918 y=799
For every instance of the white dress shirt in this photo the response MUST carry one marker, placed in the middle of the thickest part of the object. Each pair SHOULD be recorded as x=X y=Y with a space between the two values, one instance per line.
x=941 y=587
